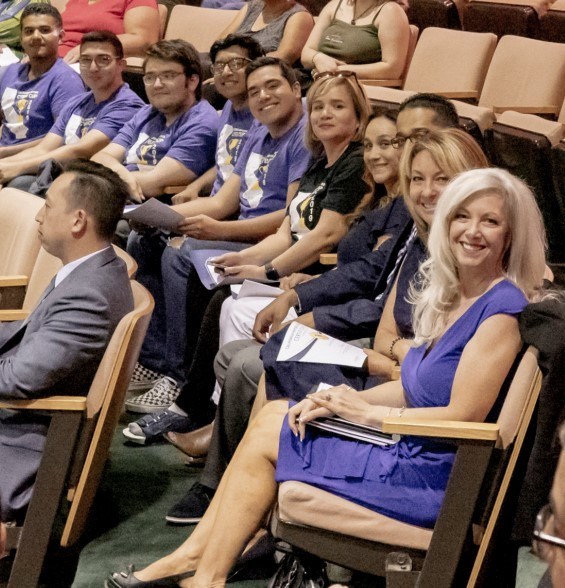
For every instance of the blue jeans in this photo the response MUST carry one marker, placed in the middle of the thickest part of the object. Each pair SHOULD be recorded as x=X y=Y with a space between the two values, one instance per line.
x=180 y=299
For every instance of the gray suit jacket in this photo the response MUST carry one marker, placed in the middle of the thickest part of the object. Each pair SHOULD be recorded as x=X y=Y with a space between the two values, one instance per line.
x=56 y=351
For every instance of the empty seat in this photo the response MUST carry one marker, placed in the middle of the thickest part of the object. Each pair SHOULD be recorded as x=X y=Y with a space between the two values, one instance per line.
x=19 y=243
x=525 y=75
x=200 y=26
x=434 y=13
x=505 y=17
x=524 y=144
x=451 y=63
x=552 y=24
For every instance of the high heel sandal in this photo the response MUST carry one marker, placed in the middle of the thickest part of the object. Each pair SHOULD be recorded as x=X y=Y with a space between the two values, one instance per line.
x=128 y=580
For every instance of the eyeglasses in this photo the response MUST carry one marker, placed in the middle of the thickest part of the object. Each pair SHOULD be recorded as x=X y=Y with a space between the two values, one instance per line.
x=235 y=64
x=541 y=539
x=399 y=141
x=342 y=73
x=165 y=77
x=101 y=61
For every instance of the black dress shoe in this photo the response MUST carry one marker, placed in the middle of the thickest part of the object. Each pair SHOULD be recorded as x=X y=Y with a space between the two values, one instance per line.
x=128 y=580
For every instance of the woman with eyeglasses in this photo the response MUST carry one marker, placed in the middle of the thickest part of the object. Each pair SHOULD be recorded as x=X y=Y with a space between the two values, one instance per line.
x=425 y=169
x=369 y=37
x=486 y=262
x=367 y=227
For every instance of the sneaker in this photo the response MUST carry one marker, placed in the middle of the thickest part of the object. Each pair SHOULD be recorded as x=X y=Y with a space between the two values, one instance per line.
x=162 y=395
x=143 y=379
x=150 y=427
x=191 y=508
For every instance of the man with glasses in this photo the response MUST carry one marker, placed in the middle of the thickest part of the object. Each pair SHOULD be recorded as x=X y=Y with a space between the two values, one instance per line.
x=33 y=94
x=172 y=141
x=230 y=57
x=265 y=178
x=549 y=532
x=89 y=121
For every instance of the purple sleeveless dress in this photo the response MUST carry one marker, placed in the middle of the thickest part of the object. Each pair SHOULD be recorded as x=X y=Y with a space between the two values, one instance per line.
x=405 y=481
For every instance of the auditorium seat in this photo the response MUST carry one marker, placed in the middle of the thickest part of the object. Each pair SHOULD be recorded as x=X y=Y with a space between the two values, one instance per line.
x=525 y=75
x=398 y=83
x=19 y=242
x=89 y=420
x=552 y=24
x=434 y=13
x=505 y=17
x=451 y=63
x=527 y=146
x=481 y=490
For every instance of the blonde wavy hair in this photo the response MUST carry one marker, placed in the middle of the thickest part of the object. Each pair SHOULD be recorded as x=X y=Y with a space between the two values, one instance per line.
x=452 y=150
x=523 y=261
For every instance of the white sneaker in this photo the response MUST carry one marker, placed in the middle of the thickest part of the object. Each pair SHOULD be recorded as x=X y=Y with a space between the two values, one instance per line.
x=143 y=379
x=162 y=395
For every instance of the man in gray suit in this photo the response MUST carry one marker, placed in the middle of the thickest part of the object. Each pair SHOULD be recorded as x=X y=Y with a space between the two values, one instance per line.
x=57 y=349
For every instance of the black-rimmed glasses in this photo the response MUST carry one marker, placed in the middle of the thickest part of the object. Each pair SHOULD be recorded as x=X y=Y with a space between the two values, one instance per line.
x=165 y=77
x=101 y=61
x=542 y=539
x=399 y=141
x=234 y=64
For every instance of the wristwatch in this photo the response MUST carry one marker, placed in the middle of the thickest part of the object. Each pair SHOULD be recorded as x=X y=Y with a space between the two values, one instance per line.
x=271 y=272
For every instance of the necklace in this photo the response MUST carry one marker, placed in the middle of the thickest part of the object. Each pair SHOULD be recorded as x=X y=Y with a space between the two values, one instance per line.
x=354 y=19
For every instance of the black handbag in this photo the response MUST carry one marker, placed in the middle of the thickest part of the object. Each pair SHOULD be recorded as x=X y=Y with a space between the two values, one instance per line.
x=299 y=570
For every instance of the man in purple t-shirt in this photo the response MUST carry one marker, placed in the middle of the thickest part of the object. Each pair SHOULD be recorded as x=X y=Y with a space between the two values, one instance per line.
x=264 y=179
x=89 y=121
x=172 y=141
x=34 y=93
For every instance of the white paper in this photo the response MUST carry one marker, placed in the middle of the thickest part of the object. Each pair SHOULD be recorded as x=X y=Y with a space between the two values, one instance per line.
x=153 y=213
x=252 y=288
x=306 y=345
x=7 y=57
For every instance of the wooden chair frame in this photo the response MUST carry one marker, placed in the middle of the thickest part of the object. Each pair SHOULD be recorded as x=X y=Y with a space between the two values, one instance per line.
x=78 y=440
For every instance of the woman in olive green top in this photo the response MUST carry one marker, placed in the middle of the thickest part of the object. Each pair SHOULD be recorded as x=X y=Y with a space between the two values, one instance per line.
x=369 y=37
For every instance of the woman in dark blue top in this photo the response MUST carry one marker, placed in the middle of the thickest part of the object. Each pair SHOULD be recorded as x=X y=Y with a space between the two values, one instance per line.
x=486 y=262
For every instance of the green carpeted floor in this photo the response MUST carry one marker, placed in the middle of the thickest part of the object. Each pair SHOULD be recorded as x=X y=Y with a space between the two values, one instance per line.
x=139 y=486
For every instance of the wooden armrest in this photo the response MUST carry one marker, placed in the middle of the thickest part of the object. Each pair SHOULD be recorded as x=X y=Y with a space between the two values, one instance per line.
x=328 y=258
x=438 y=428
x=173 y=189
x=13 y=315
x=527 y=109
x=73 y=403
x=382 y=83
x=460 y=94
x=13 y=281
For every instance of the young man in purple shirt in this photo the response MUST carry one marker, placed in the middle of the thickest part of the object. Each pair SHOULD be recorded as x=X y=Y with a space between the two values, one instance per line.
x=264 y=179
x=172 y=141
x=230 y=57
x=33 y=94
x=89 y=121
